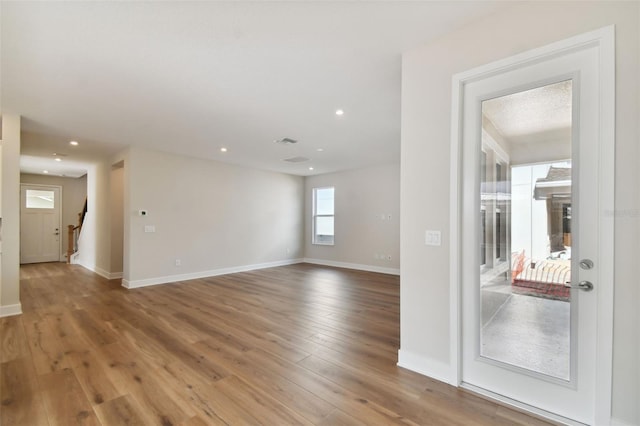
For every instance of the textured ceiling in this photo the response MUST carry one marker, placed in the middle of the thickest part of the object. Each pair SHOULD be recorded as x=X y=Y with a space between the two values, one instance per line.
x=537 y=115
x=192 y=77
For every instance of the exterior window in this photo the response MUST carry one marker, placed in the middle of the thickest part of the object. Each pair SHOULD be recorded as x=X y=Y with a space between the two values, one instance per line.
x=323 y=216
x=37 y=199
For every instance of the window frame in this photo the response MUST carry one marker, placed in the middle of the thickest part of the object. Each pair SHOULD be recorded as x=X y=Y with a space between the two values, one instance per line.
x=315 y=216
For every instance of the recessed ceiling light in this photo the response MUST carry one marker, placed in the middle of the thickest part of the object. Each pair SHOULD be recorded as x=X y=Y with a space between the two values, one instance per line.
x=320 y=149
x=74 y=143
x=310 y=168
x=58 y=159
x=223 y=149
x=339 y=112
x=45 y=171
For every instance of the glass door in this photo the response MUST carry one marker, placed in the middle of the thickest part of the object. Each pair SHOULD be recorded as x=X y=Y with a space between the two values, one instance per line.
x=525 y=222
x=530 y=191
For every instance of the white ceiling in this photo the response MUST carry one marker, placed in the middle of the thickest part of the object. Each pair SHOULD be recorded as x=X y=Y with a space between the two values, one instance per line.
x=541 y=114
x=192 y=77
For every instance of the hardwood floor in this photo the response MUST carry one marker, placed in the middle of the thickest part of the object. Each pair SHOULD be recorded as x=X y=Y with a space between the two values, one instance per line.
x=299 y=344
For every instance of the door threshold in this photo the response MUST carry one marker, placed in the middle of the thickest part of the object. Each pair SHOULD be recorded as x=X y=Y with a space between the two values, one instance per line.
x=519 y=406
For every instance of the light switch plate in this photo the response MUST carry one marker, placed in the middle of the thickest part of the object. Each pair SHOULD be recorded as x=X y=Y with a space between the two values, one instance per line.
x=432 y=238
x=149 y=228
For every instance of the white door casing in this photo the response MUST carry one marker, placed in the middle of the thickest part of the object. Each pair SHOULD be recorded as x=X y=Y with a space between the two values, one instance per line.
x=588 y=59
x=40 y=228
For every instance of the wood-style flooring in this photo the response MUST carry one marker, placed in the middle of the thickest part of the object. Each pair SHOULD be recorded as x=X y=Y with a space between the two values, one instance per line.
x=299 y=344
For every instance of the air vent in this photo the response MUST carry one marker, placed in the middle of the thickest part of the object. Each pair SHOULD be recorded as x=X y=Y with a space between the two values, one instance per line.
x=286 y=141
x=296 y=159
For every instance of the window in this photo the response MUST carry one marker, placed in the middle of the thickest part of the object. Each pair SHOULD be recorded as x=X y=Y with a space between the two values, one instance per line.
x=323 y=216
x=495 y=201
x=37 y=199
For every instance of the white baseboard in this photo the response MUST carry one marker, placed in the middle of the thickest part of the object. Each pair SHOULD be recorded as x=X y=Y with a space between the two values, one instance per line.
x=204 y=274
x=618 y=422
x=428 y=367
x=357 y=266
x=10 y=310
x=103 y=273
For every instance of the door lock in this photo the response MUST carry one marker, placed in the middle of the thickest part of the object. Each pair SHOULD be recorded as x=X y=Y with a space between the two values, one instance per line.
x=586 y=264
x=584 y=286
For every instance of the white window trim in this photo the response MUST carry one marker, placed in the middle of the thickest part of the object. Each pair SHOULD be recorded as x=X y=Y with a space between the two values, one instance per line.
x=314 y=216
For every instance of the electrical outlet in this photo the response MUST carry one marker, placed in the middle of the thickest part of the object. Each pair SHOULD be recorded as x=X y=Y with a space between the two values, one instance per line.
x=178 y=262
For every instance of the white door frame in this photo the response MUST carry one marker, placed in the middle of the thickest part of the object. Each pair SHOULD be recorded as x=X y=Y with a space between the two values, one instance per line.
x=604 y=40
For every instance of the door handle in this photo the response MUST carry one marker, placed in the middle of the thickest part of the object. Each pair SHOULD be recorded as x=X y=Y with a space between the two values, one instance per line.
x=583 y=285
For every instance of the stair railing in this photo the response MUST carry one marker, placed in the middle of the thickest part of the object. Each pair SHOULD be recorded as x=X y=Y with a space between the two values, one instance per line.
x=74 y=233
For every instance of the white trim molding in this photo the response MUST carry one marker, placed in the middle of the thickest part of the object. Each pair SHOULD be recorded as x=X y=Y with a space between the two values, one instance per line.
x=102 y=272
x=356 y=266
x=618 y=422
x=429 y=367
x=520 y=406
x=131 y=284
x=10 y=310
x=114 y=275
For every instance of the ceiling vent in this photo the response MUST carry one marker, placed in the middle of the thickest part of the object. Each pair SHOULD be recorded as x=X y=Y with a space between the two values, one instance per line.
x=286 y=141
x=296 y=159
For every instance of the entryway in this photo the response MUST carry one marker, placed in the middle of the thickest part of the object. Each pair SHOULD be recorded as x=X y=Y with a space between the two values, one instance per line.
x=40 y=223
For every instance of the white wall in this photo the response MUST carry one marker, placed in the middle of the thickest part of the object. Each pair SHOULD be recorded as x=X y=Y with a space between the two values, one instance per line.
x=426 y=118
x=74 y=193
x=214 y=217
x=10 y=278
x=364 y=199
x=116 y=204
x=93 y=243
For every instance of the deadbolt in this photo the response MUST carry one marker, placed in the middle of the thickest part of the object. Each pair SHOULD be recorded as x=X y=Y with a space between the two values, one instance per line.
x=586 y=264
